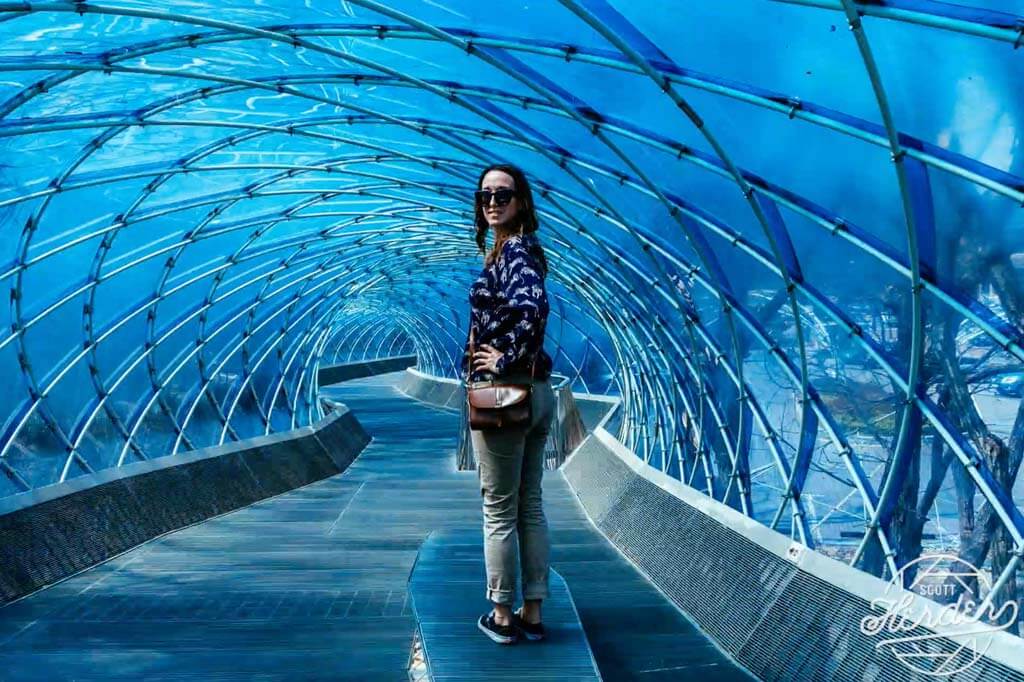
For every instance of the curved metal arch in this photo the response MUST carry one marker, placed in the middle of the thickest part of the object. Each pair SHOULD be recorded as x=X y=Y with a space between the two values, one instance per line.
x=484 y=114
x=1010 y=345
x=787 y=264
x=73 y=358
x=269 y=346
x=24 y=243
x=215 y=283
x=987 y=176
x=228 y=351
x=990 y=325
x=251 y=319
x=355 y=324
x=169 y=330
x=775 y=353
x=60 y=372
x=696 y=376
x=164 y=381
x=759 y=416
x=387 y=282
x=737 y=240
x=630 y=295
x=982 y=23
x=611 y=312
x=839 y=227
x=910 y=429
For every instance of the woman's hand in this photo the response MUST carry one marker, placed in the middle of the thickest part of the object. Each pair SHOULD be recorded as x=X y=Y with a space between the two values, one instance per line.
x=486 y=358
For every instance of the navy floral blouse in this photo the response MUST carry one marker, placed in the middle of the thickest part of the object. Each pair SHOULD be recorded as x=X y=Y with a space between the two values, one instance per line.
x=508 y=306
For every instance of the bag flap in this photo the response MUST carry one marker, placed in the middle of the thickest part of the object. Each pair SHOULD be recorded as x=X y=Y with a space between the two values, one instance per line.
x=497 y=396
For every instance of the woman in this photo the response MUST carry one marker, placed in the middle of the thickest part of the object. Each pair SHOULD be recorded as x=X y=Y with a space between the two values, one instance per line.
x=509 y=308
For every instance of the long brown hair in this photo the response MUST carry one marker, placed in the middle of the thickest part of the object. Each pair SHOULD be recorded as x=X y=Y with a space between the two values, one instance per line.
x=526 y=216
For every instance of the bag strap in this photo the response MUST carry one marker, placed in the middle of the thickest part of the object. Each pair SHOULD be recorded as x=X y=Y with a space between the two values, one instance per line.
x=469 y=362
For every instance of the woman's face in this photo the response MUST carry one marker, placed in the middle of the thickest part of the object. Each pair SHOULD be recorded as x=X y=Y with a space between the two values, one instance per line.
x=494 y=214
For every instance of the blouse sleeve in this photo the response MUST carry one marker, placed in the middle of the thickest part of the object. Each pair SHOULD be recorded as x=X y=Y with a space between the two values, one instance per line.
x=526 y=299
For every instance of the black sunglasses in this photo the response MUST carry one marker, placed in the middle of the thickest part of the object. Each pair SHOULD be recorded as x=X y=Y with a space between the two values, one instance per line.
x=501 y=196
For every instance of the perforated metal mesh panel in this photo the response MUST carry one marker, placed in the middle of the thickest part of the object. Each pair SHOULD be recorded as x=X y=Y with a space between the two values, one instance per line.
x=54 y=539
x=703 y=566
x=442 y=394
x=596 y=477
x=780 y=622
x=354 y=370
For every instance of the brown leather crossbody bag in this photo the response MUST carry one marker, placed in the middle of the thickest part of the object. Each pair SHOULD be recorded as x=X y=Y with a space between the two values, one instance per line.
x=496 y=405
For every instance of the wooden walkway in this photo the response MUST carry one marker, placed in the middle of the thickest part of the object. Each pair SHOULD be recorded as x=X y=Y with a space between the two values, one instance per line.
x=312 y=584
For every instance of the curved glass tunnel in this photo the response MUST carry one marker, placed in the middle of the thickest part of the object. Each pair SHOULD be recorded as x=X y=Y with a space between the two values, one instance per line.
x=788 y=234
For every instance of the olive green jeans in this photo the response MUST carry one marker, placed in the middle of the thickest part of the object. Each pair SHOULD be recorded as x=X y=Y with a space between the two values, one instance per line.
x=510 y=464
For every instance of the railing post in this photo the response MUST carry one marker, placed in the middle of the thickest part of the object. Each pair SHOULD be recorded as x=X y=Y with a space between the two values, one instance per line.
x=465 y=458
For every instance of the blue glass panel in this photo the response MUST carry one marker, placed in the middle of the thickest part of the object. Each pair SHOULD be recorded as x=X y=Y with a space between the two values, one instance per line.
x=198 y=163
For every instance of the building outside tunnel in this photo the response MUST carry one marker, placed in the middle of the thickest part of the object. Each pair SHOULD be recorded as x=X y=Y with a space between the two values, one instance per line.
x=785 y=237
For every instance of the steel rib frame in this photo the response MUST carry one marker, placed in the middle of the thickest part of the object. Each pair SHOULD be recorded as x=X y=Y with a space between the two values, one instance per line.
x=216 y=282
x=777 y=102
x=1002 y=26
x=165 y=381
x=154 y=345
x=808 y=426
x=903 y=449
x=142 y=410
x=78 y=429
x=229 y=351
x=477 y=110
x=841 y=226
x=378 y=259
x=837 y=226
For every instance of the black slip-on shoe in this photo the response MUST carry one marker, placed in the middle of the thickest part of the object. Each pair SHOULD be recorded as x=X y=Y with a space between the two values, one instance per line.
x=502 y=634
x=531 y=631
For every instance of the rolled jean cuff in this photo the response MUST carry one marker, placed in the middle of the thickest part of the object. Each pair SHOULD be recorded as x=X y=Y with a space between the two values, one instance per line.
x=536 y=591
x=507 y=597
